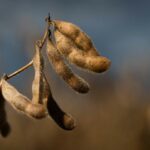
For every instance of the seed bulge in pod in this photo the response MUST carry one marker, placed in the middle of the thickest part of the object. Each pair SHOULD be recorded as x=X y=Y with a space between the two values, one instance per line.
x=64 y=71
x=80 y=38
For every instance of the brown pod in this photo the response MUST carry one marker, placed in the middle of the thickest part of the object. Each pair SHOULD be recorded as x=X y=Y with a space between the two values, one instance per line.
x=63 y=119
x=64 y=71
x=39 y=92
x=20 y=102
x=80 y=38
x=78 y=57
x=4 y=125
x=42 y=94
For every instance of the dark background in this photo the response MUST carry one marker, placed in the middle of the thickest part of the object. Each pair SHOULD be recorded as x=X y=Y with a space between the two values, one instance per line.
x=114 y=114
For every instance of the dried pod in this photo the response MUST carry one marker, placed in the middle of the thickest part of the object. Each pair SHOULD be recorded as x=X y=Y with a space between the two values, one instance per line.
x=42 y=94
x=20 y=102
x=64 y=71
x=4 y=125
x=39 y=91
x=80 y=58
x=80 y=38
x=63 y=119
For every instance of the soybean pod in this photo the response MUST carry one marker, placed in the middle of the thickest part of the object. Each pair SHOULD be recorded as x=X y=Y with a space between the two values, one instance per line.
x=78 y=57
x=21 y=102
x=63 y=70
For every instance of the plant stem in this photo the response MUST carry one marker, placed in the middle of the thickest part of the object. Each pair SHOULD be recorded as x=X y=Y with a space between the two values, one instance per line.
x=39 y=43
x=19 y=70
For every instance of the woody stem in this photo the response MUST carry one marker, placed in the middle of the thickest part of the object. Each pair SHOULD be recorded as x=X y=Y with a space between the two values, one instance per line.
x=19 y=70
x=39 y=43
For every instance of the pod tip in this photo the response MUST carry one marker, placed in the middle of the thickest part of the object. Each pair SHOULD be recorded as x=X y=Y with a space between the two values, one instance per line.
x=69 y=122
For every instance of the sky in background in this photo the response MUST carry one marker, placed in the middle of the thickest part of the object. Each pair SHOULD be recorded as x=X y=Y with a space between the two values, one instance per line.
x=119 y=29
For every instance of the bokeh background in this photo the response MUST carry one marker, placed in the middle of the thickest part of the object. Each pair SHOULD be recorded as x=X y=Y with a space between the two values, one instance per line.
x=114 y=115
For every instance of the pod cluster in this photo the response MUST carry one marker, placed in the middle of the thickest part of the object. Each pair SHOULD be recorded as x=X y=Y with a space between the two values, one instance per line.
x=68 y=42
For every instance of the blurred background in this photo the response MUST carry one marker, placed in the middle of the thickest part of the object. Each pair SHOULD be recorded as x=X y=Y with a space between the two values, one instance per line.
x=115 y=114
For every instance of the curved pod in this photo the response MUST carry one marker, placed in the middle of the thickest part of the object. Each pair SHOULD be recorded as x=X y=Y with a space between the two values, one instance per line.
x=64 y=71
x=22 y=103
x=78 y=57
x=80 y=38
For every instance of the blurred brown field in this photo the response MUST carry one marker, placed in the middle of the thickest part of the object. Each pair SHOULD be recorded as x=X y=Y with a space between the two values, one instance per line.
x=114 y=115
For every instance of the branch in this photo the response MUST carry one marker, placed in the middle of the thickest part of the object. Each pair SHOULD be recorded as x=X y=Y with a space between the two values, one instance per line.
x=19 y=70
x=39 y=43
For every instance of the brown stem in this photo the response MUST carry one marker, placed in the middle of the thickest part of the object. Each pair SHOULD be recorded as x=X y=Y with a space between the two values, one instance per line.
x=39 y=43
x=19 y=70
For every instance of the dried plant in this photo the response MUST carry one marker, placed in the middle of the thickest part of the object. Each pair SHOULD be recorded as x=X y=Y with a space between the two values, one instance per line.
x=80 y=38
x=42 y=94
x=69 y=42
x=63 y=69
x=21 y=102
x=39 y=90
x=79 y=57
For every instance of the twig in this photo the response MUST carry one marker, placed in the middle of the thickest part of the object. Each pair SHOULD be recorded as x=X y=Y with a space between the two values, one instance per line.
x=46 y=33
x=19 y=70
x=39 y=43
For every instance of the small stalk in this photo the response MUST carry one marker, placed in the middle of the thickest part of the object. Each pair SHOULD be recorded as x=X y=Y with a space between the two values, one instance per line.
x=40 y=44
x=19 y=70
